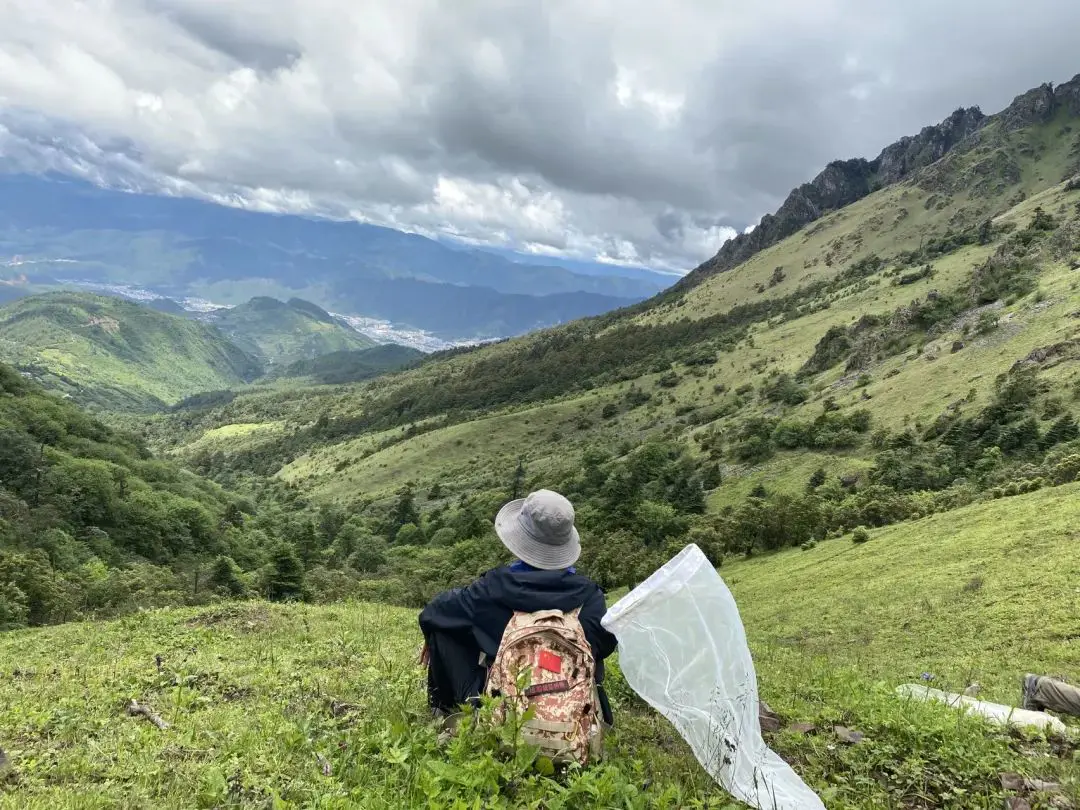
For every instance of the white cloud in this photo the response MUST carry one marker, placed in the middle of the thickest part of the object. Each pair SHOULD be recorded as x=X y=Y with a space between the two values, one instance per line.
x=621 y=130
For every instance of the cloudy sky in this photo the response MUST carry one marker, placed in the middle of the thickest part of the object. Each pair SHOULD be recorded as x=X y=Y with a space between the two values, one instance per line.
x=643 y=131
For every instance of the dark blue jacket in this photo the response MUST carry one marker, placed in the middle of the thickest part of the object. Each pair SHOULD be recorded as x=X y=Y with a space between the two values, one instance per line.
x=484 y=608
x=476 y=615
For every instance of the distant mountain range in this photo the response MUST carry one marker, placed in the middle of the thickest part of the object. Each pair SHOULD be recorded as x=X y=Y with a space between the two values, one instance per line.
x=55 y=230
x=116 y=354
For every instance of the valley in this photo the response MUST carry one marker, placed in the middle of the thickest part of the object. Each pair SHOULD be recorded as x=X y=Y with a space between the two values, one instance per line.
x=114 y=354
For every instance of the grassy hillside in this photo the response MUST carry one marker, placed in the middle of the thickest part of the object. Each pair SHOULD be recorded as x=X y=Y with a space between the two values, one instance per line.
x=281 y=333
x=922 y=219
x=305 y=706
x=117 y=354
x=702 y=367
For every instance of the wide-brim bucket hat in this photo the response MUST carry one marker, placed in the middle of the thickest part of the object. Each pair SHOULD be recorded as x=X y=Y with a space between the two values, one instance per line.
x=539 y=530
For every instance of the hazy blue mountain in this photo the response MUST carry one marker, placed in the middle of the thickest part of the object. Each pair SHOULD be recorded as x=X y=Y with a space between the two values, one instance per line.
x=652 y=278
x=445 y=309
x=185 y=246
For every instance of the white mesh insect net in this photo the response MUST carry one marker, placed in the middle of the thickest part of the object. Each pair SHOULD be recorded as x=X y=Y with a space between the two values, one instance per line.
x=683 y=649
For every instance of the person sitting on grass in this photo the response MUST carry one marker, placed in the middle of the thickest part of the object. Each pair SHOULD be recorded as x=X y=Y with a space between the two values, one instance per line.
x=1042 y=693
x=463 y=627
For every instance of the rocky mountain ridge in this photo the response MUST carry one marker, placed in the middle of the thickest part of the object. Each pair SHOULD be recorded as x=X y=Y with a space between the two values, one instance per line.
x=844 y=182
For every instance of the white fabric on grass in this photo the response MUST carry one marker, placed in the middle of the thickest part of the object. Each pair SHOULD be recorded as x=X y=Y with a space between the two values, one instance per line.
x=683 y=649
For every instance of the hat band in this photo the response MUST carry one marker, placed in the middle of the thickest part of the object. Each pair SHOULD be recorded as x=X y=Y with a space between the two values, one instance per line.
x=526 y=524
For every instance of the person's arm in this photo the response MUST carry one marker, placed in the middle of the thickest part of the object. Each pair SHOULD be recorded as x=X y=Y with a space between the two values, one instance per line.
x=453 y=610
x=592 y=612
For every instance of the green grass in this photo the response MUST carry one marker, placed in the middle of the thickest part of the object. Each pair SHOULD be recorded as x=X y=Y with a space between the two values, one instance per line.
x=454 y=455
x=787 y=473
x=982 y=593
x=228 y=438
x=256 y=693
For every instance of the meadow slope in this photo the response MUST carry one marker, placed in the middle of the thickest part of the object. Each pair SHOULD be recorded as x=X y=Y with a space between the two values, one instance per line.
x=490 y=408
x=322 y=706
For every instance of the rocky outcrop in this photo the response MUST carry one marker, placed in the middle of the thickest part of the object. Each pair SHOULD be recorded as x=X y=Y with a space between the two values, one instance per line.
x=911 y=153
x=1056 y=352
x=846 y=181
x=1068 y=95
x=842 y=183
x=1033 y=107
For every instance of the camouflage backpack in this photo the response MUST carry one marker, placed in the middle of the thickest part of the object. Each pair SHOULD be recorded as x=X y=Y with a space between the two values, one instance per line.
x=566 y=724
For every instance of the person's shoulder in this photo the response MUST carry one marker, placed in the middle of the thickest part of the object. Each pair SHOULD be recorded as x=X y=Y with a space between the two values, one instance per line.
x=585 y=581
x=492 y=577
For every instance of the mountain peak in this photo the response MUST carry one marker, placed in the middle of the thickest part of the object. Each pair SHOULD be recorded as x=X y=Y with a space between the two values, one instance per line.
x=1040 y=104
x=264 y=303
x=310 y=309
x=279 y=332
x=913 y=152
x=841 y=183
x=1033 y=107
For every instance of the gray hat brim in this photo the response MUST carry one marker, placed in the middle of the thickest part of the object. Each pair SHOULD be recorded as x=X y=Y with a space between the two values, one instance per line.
x=529 y=550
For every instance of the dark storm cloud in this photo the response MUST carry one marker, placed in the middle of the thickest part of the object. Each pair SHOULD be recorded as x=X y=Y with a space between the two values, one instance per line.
x=228 y=34
x=526 y=95
x=627 y=129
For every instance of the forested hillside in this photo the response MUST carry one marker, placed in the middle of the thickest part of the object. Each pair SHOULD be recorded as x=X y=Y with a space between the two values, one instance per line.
x=354 y=365
x=91 y=523
x=280 y=333
x=116 y=354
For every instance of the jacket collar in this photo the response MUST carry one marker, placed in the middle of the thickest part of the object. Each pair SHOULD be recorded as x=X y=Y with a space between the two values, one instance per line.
x=519 y=565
